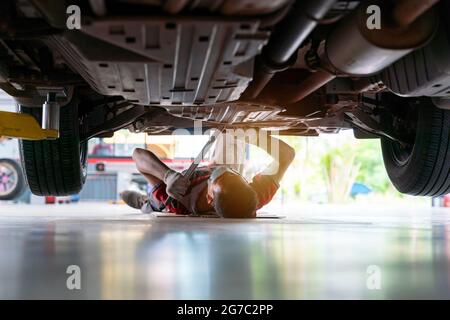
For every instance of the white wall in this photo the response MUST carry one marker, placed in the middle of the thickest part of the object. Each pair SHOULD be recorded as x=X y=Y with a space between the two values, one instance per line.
x=8 y=148
x=6 y=102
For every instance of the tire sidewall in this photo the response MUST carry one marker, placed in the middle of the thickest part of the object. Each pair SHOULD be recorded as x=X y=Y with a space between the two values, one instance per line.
x=408 y=177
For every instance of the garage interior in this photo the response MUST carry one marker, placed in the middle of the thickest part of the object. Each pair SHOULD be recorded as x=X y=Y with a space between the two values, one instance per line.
x=362 y=213
x=371 y=246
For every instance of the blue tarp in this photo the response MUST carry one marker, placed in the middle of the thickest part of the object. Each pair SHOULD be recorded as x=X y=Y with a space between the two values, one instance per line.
x=359 y=188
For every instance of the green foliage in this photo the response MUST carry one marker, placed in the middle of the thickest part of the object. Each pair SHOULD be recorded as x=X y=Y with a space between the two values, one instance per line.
x=333 y=163
x=372 y=172
x=340 y=170
x=297 y=187
x=368 y=157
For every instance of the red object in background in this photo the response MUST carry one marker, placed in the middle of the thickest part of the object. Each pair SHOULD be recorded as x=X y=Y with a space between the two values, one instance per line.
x=100 y=167
x=50 y=200
x=446 y=202
x=103 y=149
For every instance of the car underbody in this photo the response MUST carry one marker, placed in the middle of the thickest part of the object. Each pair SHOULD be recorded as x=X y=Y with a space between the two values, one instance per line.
x=299 y=67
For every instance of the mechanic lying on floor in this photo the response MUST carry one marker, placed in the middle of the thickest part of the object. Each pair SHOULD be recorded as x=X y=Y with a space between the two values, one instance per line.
x=215 y=189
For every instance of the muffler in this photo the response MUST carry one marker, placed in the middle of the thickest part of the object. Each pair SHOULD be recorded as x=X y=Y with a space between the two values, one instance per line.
x=355 y=49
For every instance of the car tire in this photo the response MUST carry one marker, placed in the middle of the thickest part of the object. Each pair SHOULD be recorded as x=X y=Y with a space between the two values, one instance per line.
x=12 y=181
x=423 y=169
x=56 y=167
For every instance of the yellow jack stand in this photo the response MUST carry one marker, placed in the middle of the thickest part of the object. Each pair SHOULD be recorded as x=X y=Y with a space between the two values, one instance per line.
x=24 y=126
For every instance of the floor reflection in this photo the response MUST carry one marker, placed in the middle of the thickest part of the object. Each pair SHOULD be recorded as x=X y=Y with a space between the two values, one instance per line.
x=210 y=259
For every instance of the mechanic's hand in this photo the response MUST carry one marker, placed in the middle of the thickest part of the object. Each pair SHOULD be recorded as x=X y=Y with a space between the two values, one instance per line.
x=176 y=184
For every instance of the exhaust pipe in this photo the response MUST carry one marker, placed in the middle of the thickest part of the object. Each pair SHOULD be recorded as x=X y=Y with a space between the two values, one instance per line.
x=407 y=11
x=355 y=50
x=278 y=54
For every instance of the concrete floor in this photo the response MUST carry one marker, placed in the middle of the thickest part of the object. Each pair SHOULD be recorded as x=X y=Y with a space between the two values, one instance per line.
x=317 y=252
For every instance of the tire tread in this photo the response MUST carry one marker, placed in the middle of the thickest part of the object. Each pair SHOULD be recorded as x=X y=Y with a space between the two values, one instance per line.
x=53 y=167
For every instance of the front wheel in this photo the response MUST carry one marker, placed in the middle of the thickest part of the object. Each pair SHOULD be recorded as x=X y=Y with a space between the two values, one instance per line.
x=423 y=168
x=56 y=167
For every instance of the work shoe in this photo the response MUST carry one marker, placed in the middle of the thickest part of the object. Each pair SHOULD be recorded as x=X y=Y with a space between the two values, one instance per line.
x=134 y=199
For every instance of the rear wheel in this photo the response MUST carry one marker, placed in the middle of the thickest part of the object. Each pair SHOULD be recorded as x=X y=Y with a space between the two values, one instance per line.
x=56 y=167
x=422 y=168
x=12 y=182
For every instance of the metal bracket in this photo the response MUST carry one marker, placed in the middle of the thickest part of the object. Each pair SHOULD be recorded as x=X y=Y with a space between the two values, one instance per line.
x=120 y=121
x=23 y=126
x=51 y=107
x=365 y=122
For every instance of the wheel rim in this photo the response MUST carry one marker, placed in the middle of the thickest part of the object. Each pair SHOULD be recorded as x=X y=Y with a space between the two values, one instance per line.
x=401 y=154
x=83 y=160
x=9 y=178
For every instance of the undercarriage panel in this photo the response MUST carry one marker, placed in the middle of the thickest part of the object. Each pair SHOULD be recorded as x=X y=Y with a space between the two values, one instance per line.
x=232 y=112
x=166 y=62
